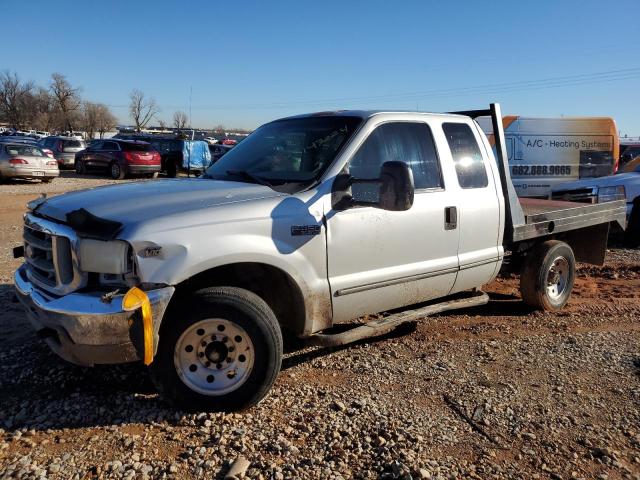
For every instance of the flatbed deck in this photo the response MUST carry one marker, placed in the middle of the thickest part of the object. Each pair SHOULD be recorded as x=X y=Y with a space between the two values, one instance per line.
x=544 y=217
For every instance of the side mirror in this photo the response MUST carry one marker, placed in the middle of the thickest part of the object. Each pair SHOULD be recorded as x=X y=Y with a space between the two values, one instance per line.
x=396 y=186
x=395 y=191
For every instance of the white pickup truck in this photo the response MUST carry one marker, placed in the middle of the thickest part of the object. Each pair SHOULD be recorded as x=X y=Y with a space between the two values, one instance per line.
x=311 y=221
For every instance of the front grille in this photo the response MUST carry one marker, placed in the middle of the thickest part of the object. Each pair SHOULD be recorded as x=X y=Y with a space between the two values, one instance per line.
x=38 y=252
x=49 y=256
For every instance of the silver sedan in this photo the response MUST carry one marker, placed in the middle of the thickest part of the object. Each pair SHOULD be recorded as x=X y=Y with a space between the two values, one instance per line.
x=19 y=160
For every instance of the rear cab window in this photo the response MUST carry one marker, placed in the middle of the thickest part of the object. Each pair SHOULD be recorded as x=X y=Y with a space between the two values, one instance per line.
x=467 y=157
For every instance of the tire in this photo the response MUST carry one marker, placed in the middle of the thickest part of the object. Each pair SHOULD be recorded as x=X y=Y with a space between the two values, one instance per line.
x=548 y=276
x=188 y=370
x=172 y=169
x=79 y=167
x=116 y=171
x=632 y=233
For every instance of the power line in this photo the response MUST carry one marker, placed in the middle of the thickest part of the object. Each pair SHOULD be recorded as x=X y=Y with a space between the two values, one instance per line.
x=504 y=87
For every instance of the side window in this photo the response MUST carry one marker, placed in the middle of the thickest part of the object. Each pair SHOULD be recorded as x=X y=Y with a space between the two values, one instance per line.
x=109 y=146
x=411 y=143
x=466 y=155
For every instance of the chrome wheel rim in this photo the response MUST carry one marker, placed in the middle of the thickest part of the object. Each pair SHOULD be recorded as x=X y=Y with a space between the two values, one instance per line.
x=557 y=278
x=214 y=356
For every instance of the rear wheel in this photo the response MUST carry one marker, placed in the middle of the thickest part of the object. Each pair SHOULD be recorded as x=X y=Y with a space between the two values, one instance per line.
x=80 y=168
x=548 y=276
x=117 y=172
x=223 y=352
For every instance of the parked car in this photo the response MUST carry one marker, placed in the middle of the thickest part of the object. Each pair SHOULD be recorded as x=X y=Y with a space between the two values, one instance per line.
x=119 y=157
x=64 y=149
x=217 y=151
x=622 y=186
x=363 y=212
x=18 y=139
x=176 y=153
x=23 y=160
x=629 y=156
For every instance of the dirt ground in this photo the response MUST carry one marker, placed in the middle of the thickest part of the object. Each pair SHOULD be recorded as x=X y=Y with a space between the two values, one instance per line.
x=499 y=391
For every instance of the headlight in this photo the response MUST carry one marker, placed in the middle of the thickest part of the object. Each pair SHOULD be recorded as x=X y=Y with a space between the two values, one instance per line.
x=609 y=194
x=104 y=257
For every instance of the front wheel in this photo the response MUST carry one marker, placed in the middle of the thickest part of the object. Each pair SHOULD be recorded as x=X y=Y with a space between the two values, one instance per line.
x=117 y=172
x=80 y=168
x=222 y=352
x=548 y=276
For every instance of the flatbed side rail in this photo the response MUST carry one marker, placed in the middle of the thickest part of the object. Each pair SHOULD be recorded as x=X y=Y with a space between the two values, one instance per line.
x=560 y=217
x=514 y=216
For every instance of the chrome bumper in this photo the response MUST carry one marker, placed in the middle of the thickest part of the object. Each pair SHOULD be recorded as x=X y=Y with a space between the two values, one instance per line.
x=84 y=329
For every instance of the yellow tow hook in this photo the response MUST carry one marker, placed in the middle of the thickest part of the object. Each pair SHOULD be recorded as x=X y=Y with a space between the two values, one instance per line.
x=134 y=299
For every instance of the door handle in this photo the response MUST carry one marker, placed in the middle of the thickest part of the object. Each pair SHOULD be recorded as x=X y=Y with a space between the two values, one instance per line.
x=450 y=218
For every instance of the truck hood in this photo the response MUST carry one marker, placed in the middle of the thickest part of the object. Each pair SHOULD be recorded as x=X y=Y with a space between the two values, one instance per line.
x=610 y=181
x=131 y=203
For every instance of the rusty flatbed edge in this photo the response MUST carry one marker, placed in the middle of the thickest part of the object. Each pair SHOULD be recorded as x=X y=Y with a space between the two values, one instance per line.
x=544 y=217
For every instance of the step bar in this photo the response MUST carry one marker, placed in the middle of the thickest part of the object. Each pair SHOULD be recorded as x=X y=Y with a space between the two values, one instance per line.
x=384 y=325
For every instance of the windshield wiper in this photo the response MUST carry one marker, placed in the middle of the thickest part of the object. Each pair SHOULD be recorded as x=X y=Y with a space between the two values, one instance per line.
x=249 y=176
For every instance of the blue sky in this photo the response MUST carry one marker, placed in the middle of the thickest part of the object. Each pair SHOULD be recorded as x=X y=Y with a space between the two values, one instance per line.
x=249 y=62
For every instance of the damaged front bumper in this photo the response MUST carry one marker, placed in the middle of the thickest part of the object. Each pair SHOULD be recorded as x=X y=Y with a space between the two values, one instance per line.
x=85 y=329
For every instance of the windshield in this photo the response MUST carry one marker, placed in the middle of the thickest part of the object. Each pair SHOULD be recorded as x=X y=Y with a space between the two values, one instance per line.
x=72 y=144
x=286 y=153
x=135 y=147
x=167 y=146
x=30 y=150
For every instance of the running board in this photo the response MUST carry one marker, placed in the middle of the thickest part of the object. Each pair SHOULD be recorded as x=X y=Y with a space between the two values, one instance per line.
x=385 y=325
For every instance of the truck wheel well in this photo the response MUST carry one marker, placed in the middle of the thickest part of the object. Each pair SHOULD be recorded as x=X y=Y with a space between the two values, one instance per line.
x=270 y=283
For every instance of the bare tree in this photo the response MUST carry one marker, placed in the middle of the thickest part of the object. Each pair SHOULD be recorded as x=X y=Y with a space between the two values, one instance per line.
x=219 y=129
x=43 y=108
x=142 y=109
x=106 y=121
x=67 y=99
x=15 y=97
x=180 y=120
x=163 y=124
x=90 y=118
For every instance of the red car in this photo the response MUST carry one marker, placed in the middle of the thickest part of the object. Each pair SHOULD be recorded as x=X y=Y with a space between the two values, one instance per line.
x=119 y=157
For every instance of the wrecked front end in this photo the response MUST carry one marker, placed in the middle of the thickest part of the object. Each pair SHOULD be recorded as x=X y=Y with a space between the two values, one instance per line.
x=81 y=294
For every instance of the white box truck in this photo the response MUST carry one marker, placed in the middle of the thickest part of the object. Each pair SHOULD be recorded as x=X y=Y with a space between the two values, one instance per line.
x=544 y=152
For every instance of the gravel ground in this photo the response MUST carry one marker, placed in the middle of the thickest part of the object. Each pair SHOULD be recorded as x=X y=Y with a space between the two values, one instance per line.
x=494 y=392
x=67 y=182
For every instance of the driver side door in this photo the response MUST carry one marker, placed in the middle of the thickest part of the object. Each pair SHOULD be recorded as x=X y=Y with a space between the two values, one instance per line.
x=377 y=259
